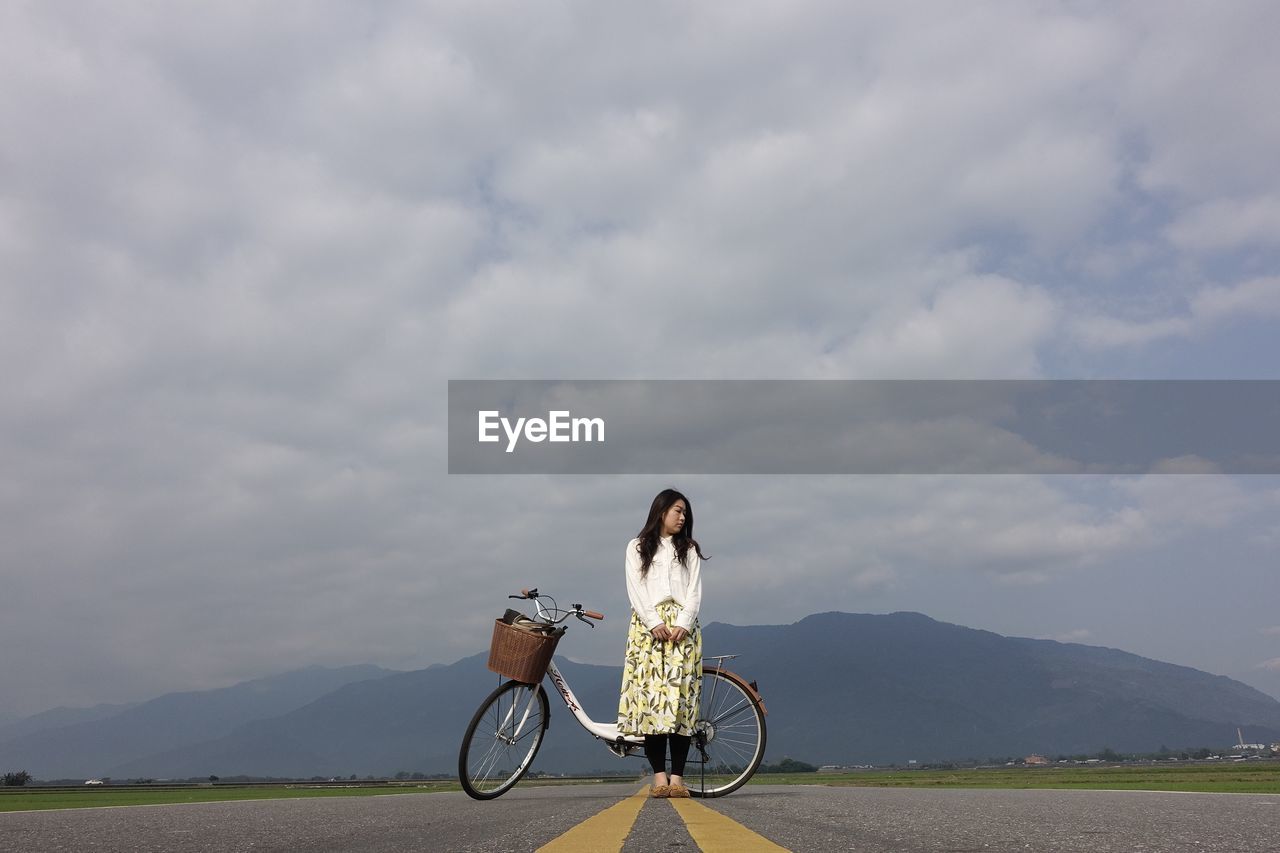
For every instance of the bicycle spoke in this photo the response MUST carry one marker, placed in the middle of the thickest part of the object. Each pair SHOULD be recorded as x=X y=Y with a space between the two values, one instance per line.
x=533 y=730
x=734 y=727
x=714 y=683
x=502 y=740
x=489 y=760
x=743 y=706
x=738 y=752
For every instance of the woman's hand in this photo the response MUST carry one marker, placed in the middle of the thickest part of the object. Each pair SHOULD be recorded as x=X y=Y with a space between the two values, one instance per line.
x=677 y=633
x=661 y=633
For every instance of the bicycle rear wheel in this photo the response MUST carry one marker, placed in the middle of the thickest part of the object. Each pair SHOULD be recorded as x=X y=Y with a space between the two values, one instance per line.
x=502 y=739
x=729 y=738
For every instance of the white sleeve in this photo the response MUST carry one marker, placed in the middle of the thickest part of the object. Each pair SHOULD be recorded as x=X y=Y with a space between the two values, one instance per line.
x=635 y=589
x=692 y=592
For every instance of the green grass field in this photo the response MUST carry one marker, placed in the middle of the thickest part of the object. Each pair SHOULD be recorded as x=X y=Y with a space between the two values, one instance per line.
x=21 y=799
x=1246 y=778
x=1249 y=778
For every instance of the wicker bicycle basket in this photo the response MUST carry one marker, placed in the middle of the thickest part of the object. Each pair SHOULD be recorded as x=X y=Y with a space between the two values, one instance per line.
x=522 y=653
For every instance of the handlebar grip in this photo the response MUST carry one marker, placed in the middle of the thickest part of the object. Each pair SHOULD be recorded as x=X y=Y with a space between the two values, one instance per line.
x=593 y=614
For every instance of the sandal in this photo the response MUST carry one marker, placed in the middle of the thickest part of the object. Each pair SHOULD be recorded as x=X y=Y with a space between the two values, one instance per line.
x=660 y=792
x=677 y=791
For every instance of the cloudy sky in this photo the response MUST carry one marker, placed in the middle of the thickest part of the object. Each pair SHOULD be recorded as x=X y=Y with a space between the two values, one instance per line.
x=244 y=246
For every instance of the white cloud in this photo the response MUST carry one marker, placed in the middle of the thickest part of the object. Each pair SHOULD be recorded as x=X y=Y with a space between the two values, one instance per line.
x=242 y=252
x=978 y=326
x=1009 y=528
x=1185 y=465
x=1259 y=297
x=1103 y=332
x=1174 y=503
x=1196 y=76
x=1227 y=223
x=1208 y=308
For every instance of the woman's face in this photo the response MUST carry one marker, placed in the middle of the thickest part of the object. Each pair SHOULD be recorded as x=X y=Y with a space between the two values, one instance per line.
x=673 y=518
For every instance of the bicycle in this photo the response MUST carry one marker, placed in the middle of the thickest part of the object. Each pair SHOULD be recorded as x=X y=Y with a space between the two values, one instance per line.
x=507 y=729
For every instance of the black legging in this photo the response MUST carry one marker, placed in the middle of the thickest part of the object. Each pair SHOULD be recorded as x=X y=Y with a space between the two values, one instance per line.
x=655 y=749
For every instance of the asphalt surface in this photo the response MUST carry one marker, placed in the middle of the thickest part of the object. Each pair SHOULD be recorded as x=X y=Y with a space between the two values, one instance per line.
x=801 y=818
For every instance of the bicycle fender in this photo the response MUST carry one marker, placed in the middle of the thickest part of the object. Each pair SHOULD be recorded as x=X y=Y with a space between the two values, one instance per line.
x=749 y=686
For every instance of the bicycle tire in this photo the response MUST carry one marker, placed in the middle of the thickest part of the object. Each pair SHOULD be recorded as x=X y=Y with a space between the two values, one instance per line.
x=501 y=741
x=729 y=737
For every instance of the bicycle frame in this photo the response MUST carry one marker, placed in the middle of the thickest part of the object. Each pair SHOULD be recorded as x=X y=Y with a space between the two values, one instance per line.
x=729 y=737
x=607 y=732
x=620 y=744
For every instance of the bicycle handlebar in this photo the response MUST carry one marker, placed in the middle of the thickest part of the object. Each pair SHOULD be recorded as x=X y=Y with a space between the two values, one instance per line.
x=577 y=609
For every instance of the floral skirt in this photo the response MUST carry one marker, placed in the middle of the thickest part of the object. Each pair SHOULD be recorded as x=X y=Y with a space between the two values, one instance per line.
x=661 y=681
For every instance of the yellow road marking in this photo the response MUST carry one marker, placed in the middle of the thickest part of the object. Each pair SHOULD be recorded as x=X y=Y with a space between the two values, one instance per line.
x=606 y=830
x=715 y=833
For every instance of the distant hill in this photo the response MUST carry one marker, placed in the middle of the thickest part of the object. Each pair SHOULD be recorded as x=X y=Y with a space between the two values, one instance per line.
x=904 y=686
x=58 y=745
x=56 y=718
x=405 y=721
x=413 y=721
x=840 y=688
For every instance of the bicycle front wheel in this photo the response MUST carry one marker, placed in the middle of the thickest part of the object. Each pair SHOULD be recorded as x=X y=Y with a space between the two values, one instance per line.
x=502 y=739
x=729 y=738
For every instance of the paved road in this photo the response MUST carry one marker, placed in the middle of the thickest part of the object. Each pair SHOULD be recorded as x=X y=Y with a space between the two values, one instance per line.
x=800 y=818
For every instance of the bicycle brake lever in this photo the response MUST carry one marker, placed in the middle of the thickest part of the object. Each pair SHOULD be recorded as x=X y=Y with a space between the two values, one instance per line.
x=582 y=618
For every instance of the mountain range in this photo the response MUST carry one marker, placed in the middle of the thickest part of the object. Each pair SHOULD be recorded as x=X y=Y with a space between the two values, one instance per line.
x=85 y=742
x=840 y=688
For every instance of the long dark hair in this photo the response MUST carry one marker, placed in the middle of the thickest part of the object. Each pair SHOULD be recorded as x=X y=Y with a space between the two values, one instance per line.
x=651 y=533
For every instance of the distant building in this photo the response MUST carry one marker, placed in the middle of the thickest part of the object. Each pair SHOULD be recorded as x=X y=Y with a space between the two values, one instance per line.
x=1260 y=747
x=1036 y=759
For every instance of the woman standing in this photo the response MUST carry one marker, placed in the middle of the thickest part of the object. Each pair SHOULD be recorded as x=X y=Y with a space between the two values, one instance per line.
x=662 y=673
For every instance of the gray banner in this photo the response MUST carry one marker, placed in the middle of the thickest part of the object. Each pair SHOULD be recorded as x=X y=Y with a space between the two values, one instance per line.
x=864 y=427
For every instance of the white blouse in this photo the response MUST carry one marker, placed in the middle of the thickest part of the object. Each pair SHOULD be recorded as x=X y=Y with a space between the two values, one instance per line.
x=667 y=579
